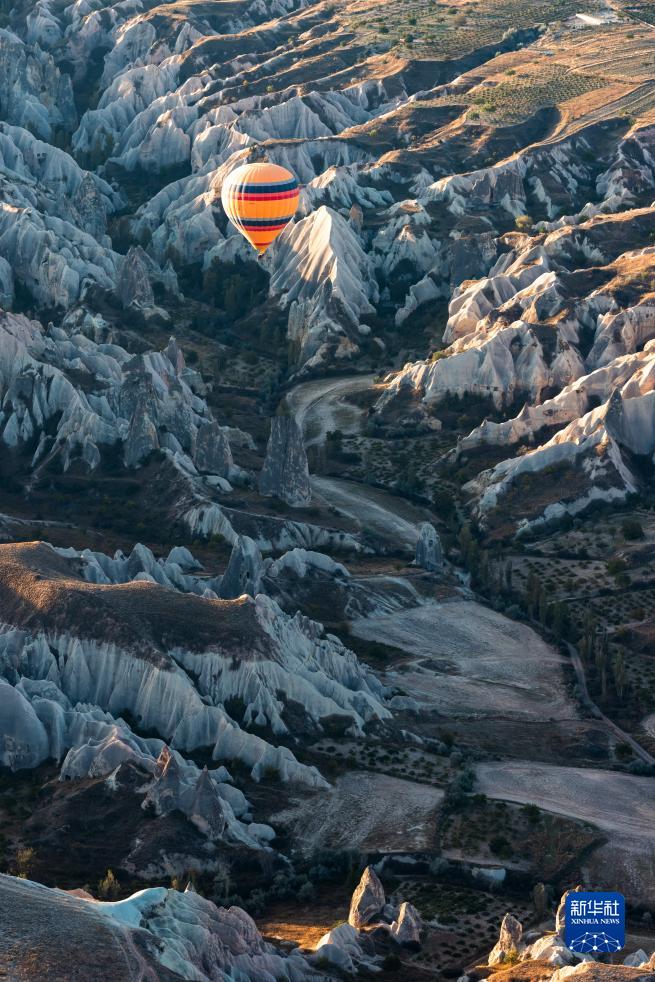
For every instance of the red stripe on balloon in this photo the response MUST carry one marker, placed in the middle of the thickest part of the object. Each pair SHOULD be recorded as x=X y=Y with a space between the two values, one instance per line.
x=281 y=196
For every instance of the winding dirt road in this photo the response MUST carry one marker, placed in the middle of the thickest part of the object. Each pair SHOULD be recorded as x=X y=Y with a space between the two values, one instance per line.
x=321 y=405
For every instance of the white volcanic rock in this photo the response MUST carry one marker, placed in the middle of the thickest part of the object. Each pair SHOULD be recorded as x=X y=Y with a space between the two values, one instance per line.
x=422 y=292
x=342 y=948
x=632 y=375
x=154 y=933
x=33 y=92
x=201 y=941
x=110 y=126
x=367 y=901
x=499 y=365
x=43 y=177
x=6 y=284
x=264 y=659
x=145 y=401
x=636 y=959
x=146 y=121
x=183 y=558
x=200 y=800
x=96 y=567
x=285 y=473
x=136 y=40
x=244 y=571
x=631 y=174
x=549 y=949
x=340 y=187
x=501 y=185
x=320 y=249
x=406 y=929
x=623 y=332
x=497 y=325
x=319 y=674
x=302 y=563
x=54 y=259
x=97 y=745
x=207 y=518
x=133 y=286
x=413 y=247
x=593 y=444
x=178 y=711
x=23 y=739
x=320 y=269
x=429 y=554
x=510 y=941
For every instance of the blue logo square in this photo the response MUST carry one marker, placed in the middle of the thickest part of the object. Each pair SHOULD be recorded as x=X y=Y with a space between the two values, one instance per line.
x=594 y=923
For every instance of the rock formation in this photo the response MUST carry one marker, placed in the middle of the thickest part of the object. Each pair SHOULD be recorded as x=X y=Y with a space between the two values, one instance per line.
x=368 y=900
x=163 y=932
x=406 y=929
x=244 y=571
x=509 y=942
x=285 y=473
x=429 y=554
x=196 y=665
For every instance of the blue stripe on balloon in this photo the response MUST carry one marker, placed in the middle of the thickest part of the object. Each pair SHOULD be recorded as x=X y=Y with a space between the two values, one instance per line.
x=264 y=188
x=265 y=222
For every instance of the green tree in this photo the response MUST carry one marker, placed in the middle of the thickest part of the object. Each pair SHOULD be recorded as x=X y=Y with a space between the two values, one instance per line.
x=509 y=571
x=619 y=672
x=632 y=529
x=539 y=899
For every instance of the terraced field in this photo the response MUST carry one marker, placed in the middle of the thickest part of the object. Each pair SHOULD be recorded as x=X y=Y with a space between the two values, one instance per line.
x=454 y=29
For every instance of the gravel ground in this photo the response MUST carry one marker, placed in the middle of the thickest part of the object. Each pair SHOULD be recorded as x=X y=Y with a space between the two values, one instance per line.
x=469 y=661
x=614 y=802
x=372 y=812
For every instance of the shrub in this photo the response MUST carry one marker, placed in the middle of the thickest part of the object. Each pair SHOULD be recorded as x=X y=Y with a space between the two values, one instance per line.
x=500 y=846
x=306 y=892
x=25 y=858
x=108 y=886
x=524 y=223
x=632 y=530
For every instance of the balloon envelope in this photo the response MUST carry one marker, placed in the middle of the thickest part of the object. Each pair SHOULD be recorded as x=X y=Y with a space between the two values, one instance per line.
x=260 y=199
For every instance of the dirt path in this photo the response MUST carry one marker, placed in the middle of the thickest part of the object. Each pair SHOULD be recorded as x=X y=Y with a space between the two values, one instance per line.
x=596 y=711
x=379 y=512
x=321 y=405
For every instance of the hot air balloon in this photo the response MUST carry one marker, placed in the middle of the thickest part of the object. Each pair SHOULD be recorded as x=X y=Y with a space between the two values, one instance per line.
x=260 y=199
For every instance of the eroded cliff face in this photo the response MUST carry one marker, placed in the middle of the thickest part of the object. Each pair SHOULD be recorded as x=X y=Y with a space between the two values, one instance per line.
x=477 y=207
x=135 y=654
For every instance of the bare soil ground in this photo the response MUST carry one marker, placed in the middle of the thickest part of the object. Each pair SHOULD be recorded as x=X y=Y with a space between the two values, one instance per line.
x=469 y=661
x=612 y=801
x=365 y=811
